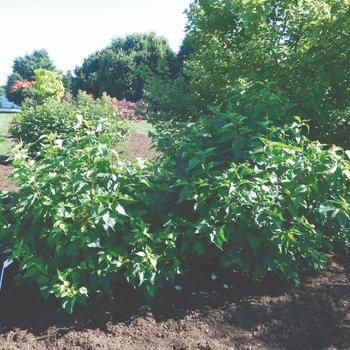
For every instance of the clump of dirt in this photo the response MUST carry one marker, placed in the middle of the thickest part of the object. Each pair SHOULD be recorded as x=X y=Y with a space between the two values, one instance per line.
x=227 y=312
x=5 y=183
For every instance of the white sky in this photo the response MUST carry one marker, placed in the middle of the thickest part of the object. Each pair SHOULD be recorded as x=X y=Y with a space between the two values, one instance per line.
x=72 y=29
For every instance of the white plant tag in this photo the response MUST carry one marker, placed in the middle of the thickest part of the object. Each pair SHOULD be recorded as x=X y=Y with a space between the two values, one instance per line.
x=5 y=265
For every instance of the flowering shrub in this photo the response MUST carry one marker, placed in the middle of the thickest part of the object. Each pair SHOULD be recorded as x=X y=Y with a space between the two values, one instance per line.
x=47 y=85
x=134 y=111
x=21 y=84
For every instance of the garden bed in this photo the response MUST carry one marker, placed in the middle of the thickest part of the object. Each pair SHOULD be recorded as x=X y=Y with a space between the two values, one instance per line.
x=205 y=315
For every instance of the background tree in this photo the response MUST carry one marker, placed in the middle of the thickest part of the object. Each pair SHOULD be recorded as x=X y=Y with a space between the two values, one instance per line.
x=119 y=69
x=23 y=69
x=270 y=59
x=67 y=81
x=294 y=51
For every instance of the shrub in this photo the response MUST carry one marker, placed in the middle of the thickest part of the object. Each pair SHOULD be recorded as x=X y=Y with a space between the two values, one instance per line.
x=23 y=70
x=133 y=111
x=21 y=84
x=295 y=52
x=48 y=85
x=282 y=211
x=36 y=121
x=84 y=220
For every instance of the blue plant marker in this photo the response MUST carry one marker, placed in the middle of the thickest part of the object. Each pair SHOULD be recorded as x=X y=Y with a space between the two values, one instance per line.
x=5 y=265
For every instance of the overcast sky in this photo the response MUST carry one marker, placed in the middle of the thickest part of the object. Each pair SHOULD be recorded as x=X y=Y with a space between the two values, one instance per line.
x=72 y=29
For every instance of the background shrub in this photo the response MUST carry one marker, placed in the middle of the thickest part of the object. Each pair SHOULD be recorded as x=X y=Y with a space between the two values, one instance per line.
x=277 y=58
x=37 y=120
x=48 y=85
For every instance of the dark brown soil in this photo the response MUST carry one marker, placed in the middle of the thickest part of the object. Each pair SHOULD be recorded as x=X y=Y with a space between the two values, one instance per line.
x=205 y=315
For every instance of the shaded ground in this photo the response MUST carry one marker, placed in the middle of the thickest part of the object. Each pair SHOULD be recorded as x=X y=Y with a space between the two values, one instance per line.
x=265 y=315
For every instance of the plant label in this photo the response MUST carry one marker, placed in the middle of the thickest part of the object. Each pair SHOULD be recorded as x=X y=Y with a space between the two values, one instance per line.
x=5 y=265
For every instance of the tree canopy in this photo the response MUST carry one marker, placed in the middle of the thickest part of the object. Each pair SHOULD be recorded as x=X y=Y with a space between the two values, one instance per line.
x=293 y=53
x=23 y=69
x=119 y=68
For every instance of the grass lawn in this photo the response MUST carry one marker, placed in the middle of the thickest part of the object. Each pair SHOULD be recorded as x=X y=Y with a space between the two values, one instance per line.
x=141 y=127
x=5 y=142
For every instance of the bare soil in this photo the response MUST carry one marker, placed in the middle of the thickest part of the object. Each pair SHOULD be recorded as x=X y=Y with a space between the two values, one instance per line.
x=138 y=146
x=203 y=316
x=5 y=183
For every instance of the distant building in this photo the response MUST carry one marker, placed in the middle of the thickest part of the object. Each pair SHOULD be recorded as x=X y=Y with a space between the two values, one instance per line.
x=5 y=104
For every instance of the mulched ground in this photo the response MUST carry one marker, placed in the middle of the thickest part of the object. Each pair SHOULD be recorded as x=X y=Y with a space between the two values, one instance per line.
x=227 y=312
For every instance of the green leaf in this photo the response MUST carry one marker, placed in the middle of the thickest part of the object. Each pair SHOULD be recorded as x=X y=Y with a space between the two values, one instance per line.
x=68 y=305
x=184 y=195
x=103 y=150
x=193 y=163
x=120 y=210
x=108 y=222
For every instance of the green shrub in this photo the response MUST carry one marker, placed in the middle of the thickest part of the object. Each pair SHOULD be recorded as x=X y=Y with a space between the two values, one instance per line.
x=283 y=211
x=277 y=59
x=48 y=85
x=35 y=121
x=278 y=207
x=83 y=219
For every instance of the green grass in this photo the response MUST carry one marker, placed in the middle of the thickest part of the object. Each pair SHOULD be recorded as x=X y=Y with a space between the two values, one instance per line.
x=141 y=127
x=5 y=142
